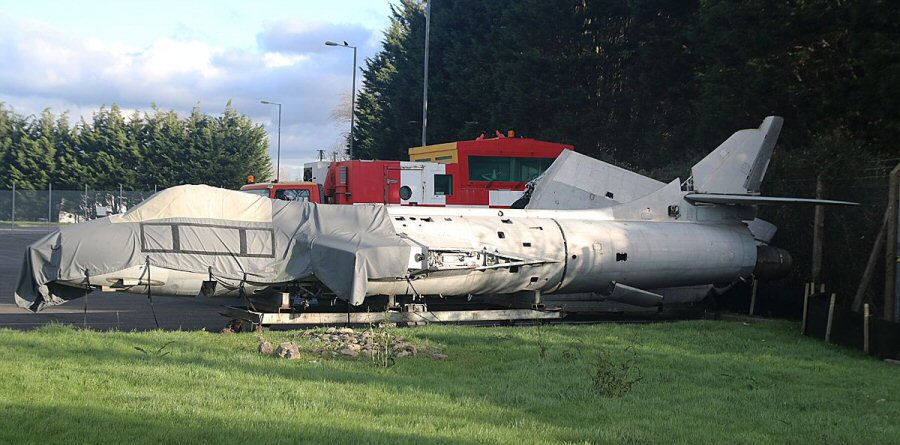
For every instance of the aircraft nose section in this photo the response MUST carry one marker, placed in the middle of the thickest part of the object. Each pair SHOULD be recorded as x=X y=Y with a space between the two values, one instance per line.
x=56 y=268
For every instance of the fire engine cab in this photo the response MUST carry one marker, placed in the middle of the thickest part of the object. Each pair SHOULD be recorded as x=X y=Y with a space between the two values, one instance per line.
x=288 y=191
x=480 y=173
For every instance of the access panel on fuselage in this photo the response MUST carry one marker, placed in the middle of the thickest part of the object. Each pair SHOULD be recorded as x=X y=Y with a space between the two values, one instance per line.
x=528 y=239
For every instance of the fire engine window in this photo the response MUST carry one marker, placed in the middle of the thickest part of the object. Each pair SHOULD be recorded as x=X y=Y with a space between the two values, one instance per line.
x=307 y=174
x=292 y=195
x=495 y=168
x=530 y=168
x=443 y=185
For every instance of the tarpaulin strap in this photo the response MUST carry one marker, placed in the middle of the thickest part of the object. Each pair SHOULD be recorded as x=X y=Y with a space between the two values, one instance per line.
x=150 y=294
x=416 y=293
x=243 y=293
x=240 y=288
x=87 y=290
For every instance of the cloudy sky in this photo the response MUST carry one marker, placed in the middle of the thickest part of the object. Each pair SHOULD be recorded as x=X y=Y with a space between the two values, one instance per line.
x=77 y=56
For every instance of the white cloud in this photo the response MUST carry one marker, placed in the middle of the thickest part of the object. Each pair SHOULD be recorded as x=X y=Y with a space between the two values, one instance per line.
x=43 y=67
x=305 y=37
x=168 y=58
x=281 y=60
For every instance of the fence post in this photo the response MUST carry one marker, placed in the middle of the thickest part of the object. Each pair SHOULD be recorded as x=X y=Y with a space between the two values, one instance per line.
x=49 y=203
x=753 y=296
x=866 y=328
x=830 y=319
x=119 y=207
x=805 y=308
x=86 y=210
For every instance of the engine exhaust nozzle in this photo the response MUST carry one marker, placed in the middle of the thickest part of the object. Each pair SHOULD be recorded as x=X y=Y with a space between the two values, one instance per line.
x=772 y=263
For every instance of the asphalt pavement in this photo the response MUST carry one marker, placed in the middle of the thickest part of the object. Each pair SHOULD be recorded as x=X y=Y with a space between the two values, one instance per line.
x=103 y=311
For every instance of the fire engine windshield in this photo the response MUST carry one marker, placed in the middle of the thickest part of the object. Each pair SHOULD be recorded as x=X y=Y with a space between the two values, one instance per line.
x=260 y=192
x=300 y=195
x=504 y=169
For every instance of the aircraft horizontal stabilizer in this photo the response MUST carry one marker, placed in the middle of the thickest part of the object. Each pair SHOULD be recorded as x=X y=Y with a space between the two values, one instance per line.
x=709 y=198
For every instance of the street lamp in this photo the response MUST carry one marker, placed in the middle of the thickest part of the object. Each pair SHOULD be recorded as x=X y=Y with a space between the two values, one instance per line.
x=425 y=77
x=278 y=162
x=353 y=97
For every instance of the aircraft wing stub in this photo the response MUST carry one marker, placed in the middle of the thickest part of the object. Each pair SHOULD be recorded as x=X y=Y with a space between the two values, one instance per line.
x=712 y=198
x=632 y=295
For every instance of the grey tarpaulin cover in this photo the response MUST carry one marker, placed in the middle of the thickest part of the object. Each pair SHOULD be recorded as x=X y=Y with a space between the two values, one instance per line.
x=234 y=235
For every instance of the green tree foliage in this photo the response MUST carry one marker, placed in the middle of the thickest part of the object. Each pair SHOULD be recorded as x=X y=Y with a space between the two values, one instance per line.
x=654 y=85
x=385 y=122
x=141 y=151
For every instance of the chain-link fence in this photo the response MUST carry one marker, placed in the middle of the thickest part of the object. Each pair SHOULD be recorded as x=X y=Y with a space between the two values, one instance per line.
x=30 y=209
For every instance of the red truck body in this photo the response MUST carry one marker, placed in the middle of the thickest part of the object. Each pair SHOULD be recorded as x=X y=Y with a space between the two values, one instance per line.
x=486 y=173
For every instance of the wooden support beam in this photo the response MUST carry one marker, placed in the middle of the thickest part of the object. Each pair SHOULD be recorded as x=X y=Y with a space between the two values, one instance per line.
x=818 y=231
x=870 y=267
x=830 y=319
x=892 y=250
x=806 y=293
x=866 y=328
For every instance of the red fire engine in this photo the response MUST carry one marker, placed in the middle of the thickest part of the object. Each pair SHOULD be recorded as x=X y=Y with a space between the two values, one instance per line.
x=481 y=173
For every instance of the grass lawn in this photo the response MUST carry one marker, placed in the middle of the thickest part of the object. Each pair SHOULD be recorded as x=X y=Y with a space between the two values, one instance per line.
x=701 y=382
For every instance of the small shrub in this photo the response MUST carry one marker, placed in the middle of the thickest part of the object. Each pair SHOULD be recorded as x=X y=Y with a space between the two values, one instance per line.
x=611 y=378
x=384 y=353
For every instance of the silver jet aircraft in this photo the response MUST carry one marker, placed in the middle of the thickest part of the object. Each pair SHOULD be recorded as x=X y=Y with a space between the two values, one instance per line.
x=633 y=240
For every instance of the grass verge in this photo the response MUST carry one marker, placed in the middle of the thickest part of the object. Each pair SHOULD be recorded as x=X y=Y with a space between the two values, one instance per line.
x=692 y=382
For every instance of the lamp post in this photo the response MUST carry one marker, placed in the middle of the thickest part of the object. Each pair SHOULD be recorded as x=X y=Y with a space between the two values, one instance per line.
x=425 y=77
x=278 y=162
x=353 y=96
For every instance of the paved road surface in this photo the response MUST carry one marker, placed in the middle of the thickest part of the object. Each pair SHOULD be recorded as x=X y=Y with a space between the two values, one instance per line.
x=104 y=310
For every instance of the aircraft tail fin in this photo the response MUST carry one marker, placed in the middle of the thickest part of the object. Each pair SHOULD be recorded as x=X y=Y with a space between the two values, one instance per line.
x=739 y=164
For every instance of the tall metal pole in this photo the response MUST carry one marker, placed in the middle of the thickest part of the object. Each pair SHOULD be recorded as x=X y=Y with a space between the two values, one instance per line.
x=353 y=104
x=278 y=158
x=278 y=161
x=425 y=80
x=49 y=203
x=353 y=94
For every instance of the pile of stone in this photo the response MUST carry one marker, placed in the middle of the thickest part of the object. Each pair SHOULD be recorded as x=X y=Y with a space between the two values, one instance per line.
x=350 y=343
x=288 y=349
x=346 y=342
